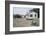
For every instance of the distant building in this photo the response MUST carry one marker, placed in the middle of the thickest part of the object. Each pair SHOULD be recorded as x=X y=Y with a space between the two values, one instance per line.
x=31 y=15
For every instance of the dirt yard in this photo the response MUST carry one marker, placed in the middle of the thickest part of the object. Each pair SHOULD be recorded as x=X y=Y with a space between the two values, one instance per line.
x=21 y=22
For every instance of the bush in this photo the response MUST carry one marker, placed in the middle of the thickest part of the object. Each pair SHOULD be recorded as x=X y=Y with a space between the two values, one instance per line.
x=17 y=16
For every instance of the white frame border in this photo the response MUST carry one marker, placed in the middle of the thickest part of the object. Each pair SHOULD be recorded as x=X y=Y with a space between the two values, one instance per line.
x=24 y=28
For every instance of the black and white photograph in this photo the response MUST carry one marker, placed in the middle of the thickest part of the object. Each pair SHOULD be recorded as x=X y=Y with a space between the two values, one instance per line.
x=25 y=17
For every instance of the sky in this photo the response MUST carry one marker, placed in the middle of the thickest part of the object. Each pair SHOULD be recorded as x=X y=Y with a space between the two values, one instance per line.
x=21 y=10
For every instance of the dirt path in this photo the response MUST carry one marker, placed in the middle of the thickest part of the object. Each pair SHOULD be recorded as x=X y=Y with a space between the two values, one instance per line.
x=21 y=22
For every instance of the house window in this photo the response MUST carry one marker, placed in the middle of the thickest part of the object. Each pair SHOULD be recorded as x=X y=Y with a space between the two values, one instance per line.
x=31 y=15
x=35 y=15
